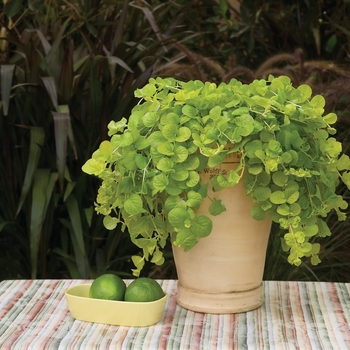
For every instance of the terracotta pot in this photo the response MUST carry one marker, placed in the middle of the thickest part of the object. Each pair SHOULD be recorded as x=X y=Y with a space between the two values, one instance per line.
x=223 y=272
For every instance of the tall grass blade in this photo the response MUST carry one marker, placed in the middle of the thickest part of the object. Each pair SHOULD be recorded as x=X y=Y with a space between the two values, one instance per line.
x=12 y=7
x=6 y=72
x=52 y=58
x=72 y=139
x=120 y=62
x=77 y=237
x=75 y=219
x=118 y=37
x=37 y=136
x=69 y=188
x=43 y=186
x=66 y=83
x=95 y=92
x=149 y=15
x=89 y=212
x=61 y=122
x=50 y=86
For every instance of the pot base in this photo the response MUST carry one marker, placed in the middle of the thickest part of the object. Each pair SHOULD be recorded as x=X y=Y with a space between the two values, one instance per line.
x=219 y=303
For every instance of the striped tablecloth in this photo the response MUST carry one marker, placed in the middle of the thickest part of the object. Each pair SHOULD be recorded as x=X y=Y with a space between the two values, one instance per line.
x=295 y=315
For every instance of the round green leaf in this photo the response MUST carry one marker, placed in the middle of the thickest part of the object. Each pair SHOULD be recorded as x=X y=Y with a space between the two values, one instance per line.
x=141 y=161
x=129 y=160
x=165 y=164
x=180 y=154
x=178 y=216
x=193 y=179
x=286 y=157
x=343 y=162
x=149 y=90
x=156 y=138
x=283 y=209
x=133 y=204
x=186 y=239
x=316 y=247
x=266 y=205
x=216 y=207
x=315 y=260
x=194 y=199
x=94 y=167
x=215 y=112
x=141 y=225
x=221 y=180
x=277 y=197
x=179 y=174
x=126 y=139
x=191 y=163
x=183 y=134
x=294 y=209
x=258 y=213
x=202 y=226
x=263 y=179
x=255 y=170
x=126 y=185
x=160 y=182
x=262 y=193
x=150 y=119
x=173 y=189
x=275 y=146
x=330 y=118
x=318 y=101
x=190 y=111
x=311 y=230
x=305 y=91
x=280 y=179
x=259 y=153
x=170 y=118
x=233 y=178
x=246 y=125
x=171 y=202
x=307 y=247
x=169 y=131
x=289 y=109
x=216 y=159
x=166 y=148
x=271 y=165
x=240 y=111
x=291 y=195
x=321 y=134
x=110 y=223
x=105 y=148
x=142 y=143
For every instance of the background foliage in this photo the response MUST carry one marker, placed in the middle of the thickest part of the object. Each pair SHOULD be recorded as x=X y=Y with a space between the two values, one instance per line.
x=69 y=67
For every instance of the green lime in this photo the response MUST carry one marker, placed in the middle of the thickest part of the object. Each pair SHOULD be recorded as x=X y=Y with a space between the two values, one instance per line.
x=107 y=286
x=143 y=289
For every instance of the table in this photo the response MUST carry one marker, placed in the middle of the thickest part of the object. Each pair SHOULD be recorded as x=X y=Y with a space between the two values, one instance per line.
x=295 y=315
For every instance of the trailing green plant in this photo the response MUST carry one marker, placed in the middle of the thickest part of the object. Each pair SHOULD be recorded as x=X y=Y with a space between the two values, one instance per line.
x=150 y=167
x=334 y=250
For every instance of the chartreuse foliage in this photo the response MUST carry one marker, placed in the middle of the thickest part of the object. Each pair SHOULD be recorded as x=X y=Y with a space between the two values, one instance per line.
x=150 y=165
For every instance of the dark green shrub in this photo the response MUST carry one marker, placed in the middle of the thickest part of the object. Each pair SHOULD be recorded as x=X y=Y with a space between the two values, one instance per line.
x=266 y=28
x=67 y=69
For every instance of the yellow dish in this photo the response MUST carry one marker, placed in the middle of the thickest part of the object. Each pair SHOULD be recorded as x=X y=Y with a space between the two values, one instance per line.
x=121 y=313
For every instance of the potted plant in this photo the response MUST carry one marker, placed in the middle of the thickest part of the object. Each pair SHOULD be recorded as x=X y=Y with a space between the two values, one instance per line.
x=171 y=158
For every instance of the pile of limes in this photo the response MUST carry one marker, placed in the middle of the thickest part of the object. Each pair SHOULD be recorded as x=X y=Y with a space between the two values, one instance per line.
x=112 y=287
